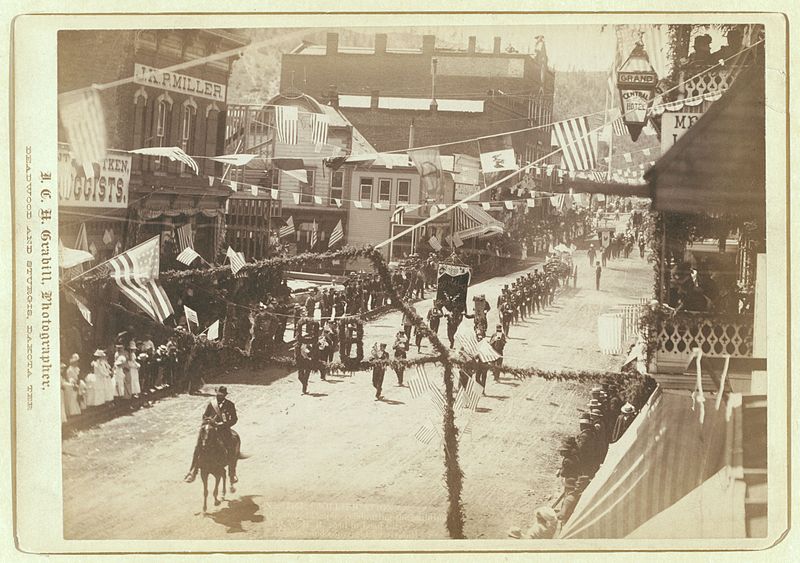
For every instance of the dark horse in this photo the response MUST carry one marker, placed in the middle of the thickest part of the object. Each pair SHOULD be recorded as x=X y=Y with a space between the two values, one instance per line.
x=213 y=459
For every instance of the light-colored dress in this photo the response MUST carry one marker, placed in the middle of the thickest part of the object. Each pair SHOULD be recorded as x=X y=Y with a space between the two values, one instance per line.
x=120 y=362
x=105 y=381
x=133 y=371
x=70 y=390
x=95 y=394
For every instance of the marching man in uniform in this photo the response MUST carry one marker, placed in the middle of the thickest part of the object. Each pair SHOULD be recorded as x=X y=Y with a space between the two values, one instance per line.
x=223 y=413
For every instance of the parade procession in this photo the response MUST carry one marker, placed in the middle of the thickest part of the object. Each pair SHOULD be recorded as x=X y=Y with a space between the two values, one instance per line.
x=385 y=283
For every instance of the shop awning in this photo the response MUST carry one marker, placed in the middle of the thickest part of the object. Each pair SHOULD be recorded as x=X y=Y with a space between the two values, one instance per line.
x=472 y=221
x=718 y=166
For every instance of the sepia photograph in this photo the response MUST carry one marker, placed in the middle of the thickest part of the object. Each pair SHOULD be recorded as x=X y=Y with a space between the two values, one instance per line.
x=414 y=282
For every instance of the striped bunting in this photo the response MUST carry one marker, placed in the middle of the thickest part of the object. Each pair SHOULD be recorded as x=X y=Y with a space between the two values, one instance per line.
x=337 y=235
x=172 y=153
x=81 y=114
x=187 y=256
x=419 y=383
x=578 y=147
x=136 y=273
x=286 y=124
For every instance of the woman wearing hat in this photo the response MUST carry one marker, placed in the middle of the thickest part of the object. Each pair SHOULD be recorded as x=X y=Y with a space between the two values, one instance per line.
x=105 y=379
x=120 y=367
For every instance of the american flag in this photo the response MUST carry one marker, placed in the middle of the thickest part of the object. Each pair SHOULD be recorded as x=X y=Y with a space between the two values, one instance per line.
x=136 y=273
x=314 y=235
x=242 y=259
x=82 y=306
x=437 y=399
x=237 y=262
x=426 y=433
x=191 y=315
x=337 y=235
x=287 y=230
x=185 y=236
x=482 y=349
x=81 y=114
x=459 y=400
x=187 y=256
x=435 y=244
x=286 y=124
x=578 y=145
x=473 y=394
x=598 y=176
x=419 y=384
x=620 y=130
x=172 y=153
x=319 y=130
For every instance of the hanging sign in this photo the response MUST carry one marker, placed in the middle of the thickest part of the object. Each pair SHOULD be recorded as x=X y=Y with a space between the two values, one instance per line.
x=177 y=82
x=107 y=188
x=674 y=125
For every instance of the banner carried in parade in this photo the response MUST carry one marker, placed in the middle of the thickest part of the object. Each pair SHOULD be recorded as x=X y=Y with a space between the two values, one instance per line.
x=452 y=284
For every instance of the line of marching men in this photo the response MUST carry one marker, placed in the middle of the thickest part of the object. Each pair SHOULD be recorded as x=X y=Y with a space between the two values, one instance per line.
x=606 y=420
x=527 y=295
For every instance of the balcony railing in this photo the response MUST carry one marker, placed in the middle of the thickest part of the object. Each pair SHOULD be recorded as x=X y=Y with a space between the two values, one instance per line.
x=715 y=335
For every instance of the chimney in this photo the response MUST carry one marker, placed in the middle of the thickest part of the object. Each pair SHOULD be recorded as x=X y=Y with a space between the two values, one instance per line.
x=332 y=96
x=375 y=95
x=496 y=45
x=471 y=44
x=428 y=44
x=332 y=44
x=380 y=43
x=411 y=134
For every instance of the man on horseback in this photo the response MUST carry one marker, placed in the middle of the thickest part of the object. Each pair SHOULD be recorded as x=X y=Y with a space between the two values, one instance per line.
x=222 y=413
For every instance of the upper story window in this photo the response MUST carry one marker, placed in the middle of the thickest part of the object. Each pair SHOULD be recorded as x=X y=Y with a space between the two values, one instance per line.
x=188 y=124
x=337 y=186
x=403 y=191
x=307 y=188
x=384 y=191
x=163 y=113
x=365 y=189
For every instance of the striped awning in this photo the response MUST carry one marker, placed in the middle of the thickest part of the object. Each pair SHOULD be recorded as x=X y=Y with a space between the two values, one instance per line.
x=472 y=221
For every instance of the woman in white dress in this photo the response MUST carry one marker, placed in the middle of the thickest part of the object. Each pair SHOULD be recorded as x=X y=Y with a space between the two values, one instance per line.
x=69 y=386
x=133 y=369
x=524 y=250
x=120 y=366
x=105 y=381
x=95 y=386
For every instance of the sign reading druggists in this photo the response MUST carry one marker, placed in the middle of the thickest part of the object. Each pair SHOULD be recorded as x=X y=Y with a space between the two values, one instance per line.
x=108 y=188
x=177 y=82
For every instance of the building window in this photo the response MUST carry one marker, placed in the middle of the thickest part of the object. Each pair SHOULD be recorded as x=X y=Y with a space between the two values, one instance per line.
x=163 y=112
x=307 y=189
x=384 y=191
x=188 y=129
x=273 y=178
x=337 y=186
x=403 y=191
x=365 y=189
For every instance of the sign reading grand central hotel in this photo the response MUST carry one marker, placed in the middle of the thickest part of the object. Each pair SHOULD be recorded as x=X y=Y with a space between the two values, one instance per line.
x=177 y=82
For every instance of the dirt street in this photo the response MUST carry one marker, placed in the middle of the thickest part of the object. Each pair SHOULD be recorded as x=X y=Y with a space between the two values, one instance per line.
x=336 y=464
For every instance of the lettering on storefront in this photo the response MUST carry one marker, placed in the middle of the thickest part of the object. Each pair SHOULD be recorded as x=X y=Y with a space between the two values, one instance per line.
x=673 y=127
x=108 y=188
x=177 y=82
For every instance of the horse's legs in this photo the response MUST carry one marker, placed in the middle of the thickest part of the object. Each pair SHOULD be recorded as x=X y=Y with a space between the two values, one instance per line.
x=224 y=478
x=216 y=490
x=204 y=476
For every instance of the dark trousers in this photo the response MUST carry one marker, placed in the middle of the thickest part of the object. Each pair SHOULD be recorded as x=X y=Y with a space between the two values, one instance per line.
x=377 y=381
x=302 y=375
x=480 y=376
x=496 y=370
x=506 y=324
x=597 y=282
x=407 y=329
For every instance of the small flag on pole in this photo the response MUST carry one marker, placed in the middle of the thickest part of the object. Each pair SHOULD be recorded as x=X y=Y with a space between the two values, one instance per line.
x=237 y=263
x=418 y=384
x=426 y=434
x=437 y=399
x=213 y=331
x=288 y=229
x=435 y=244
x=337 y=235
x=191 y=315
x=187 y=256
x=185 y=237
x=459 y=400
x=473 y=394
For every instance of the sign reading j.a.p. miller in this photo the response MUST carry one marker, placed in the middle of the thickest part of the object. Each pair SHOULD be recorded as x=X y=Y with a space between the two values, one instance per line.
x=177 y=82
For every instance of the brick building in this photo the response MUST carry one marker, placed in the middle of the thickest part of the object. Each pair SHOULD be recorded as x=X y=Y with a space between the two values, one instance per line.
x=184 y=108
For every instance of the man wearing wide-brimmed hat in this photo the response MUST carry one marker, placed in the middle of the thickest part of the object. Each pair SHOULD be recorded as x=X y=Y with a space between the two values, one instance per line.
x=223 y=413
x=627 y=414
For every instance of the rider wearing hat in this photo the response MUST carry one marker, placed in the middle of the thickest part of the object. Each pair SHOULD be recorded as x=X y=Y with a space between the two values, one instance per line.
x=222 y=413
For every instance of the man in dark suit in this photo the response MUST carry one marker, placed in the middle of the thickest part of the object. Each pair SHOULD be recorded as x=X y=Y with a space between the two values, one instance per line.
x=222 y=413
